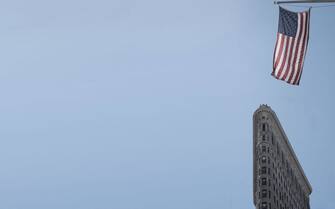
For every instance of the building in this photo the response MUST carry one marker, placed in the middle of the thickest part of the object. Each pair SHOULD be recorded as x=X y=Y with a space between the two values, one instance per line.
x=278 y=179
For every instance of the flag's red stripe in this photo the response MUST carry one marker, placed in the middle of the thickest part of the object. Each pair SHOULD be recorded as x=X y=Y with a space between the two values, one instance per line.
x=296 y=50
x=274 y=55
x=280 y=51
x=289 y=60
x=297 y=79
x=285 y=56
x=287 y=63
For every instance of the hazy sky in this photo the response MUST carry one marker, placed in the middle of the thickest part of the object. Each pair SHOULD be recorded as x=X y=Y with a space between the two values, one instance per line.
x=126 y=104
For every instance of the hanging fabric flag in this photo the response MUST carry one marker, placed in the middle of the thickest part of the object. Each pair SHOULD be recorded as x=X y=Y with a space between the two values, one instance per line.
x=291 y=45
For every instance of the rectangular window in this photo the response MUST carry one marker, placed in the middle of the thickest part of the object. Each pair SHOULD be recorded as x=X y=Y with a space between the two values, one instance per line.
x=264 y=193
x=263 y=126
x=263 y=181
x=263 y=148
x=269 y=194
x=263 y=170
x=277 y=149
x=264 y=205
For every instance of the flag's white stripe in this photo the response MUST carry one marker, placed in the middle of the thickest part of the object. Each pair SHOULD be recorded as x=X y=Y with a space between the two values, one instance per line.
x=282 y=55
x=304 y=49
x=278 y=47
x=286 y=64
x=294 y=50
x=296 y=64
x=278 y=51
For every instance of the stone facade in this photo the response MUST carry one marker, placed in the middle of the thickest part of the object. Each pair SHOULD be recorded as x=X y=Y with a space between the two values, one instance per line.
x=278 y=179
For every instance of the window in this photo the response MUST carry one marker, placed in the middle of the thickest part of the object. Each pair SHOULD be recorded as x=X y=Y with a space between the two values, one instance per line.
x=263 y=126
x=263 y=148
x=269 y=194
x=263 y=137
x=264 y=205
x=263 y=181
x=263 y=170
x=277 y=149
x=263 y=159
x=264 y=193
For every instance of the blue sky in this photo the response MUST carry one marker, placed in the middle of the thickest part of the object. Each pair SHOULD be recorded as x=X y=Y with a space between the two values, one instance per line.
x=128 y=104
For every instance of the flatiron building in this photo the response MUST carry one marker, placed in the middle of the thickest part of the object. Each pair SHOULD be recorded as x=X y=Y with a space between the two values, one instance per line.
x=279 y=181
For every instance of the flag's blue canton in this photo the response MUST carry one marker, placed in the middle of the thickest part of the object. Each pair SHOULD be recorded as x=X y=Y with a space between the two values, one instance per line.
x=288 y=22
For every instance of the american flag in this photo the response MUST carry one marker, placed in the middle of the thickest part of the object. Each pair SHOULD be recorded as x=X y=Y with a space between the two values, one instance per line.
x=291 y=45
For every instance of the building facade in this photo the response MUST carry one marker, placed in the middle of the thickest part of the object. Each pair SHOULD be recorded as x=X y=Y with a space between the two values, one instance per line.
x=279 y=181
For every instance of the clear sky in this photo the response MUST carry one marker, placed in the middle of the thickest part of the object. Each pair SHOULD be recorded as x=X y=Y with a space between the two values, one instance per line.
x=126 y=104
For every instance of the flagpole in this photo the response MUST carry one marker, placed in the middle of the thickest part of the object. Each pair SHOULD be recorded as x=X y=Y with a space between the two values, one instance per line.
x=304 y=2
